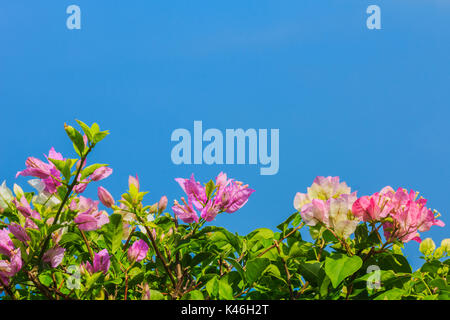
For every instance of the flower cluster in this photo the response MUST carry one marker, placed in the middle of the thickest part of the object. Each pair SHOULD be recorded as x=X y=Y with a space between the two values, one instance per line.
x=329 y=202
x=230 y=196
x=401 y=214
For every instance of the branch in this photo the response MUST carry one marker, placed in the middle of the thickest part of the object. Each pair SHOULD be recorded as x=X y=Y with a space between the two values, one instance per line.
x=160 y=256
x=66 y=197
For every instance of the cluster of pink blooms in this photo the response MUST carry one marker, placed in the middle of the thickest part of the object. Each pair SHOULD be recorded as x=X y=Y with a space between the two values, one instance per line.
x=89 y=217
x=408 y=214
x=51 y=177
x=331 y=203
x=102 y=261
x=230 y=196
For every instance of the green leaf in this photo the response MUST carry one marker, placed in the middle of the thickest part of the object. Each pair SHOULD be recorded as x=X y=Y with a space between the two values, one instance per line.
x=395 y=262
x=99 y=136
x=339 y=266
x=257 y=236
x=393 y=294
x=310 y=271
x=225 y=290
x=210 y=186
x=114 y=232
x=70 y=238
x=212 y=287
x=194 y=295
x=299 y=249
x=156 y=295
x=237 y=266
x=76 y=137
x=431 y=267
x=45 y=279
x=272 y=270
x=324 y=286
x=255 y=268
x=87 y=131
x=136 y=276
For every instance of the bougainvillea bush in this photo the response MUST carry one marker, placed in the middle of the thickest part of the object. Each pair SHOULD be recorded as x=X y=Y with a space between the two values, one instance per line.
x=57 y=244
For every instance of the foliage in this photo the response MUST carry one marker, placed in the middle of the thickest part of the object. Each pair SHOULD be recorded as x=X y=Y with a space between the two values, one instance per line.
x=57 y=244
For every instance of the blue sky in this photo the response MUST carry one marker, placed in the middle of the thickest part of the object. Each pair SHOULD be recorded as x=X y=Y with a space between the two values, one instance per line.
x=370 y=106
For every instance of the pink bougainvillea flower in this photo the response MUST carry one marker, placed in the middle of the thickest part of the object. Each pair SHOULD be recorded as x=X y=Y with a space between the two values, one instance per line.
x=138 y=251
x=54 y=256
x=230 y=196
x=375 y=207
x=105 y=197
x=6 y=244
x=323 y=188
x=340 y=217
x=210 y=211
x=194 y=190
x=233 y=196
x=81 y=186
x=185 y=212
x=162 y=204
x=100 y=174
x=101 y=263
x=25 y=209
x=9 y=268
x=222 y=180
x=314 y=212
x=19 y=232
x=93 y=220
x=89 y=217
x=47 y=172
x=409 y=216
x=334 y=213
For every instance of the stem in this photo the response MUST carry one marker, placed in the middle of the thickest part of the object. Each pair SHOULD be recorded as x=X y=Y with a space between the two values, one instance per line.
x=129 y=238
x=426 y=285
x=350 y=289
x=87 y=245
x=286 y=236
x=288 y=275
x=320 y=250
x=160 y=256
x=39 y=285
x=126 y=285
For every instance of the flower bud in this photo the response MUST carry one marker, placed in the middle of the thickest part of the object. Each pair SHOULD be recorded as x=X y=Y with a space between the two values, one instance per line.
x=105 y=197
x=439 y=253
x=132 y=181
x=162 y=204
x=153 y=208
x=101 y=173
x=427 y=246
x=445 y=244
